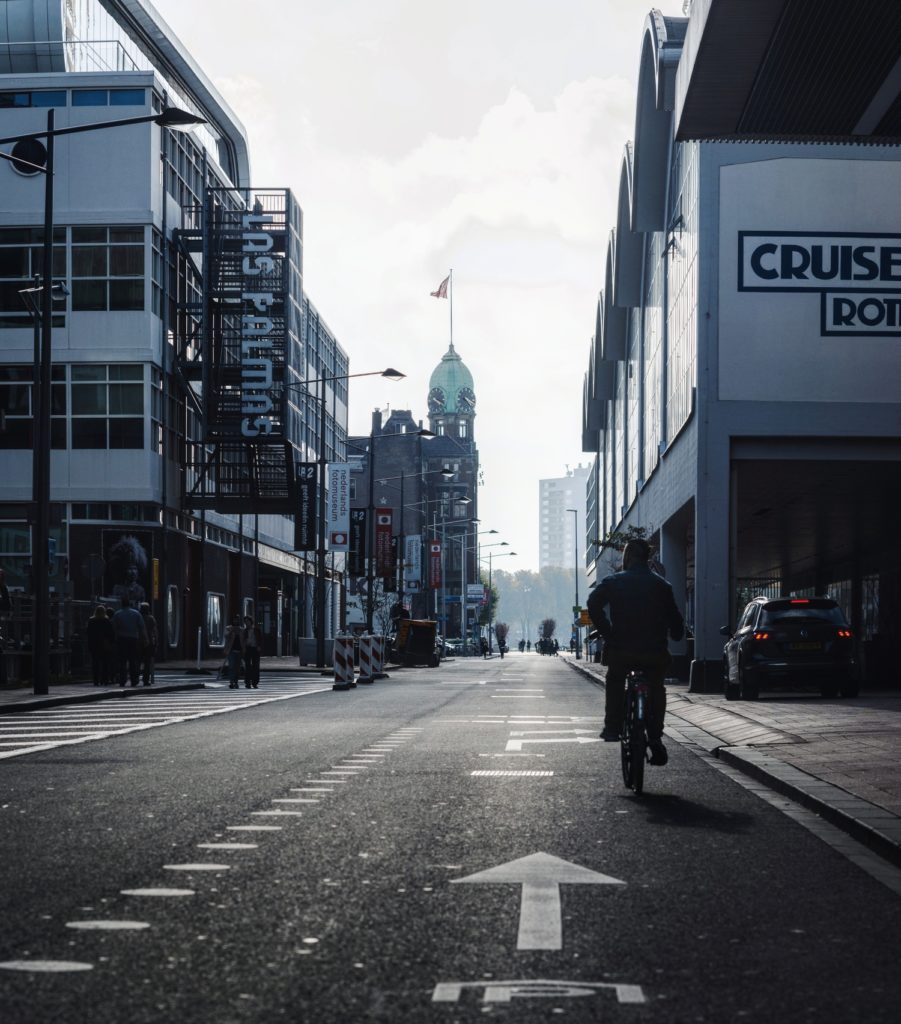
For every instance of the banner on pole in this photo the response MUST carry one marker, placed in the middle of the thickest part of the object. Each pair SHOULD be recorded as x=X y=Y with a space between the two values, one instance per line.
x=413 y=563
x=305 y=515
x=435 y=564
x=356 y=561
x=338 y=506
x=384 y=523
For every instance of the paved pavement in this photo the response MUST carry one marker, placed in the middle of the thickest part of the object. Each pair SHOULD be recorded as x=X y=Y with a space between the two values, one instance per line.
x=840 y=758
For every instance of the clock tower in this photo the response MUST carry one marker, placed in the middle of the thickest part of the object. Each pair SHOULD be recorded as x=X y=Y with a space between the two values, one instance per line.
x=452 y=400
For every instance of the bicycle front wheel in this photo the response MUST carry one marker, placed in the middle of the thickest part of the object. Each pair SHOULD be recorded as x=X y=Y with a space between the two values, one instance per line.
x=637 y=746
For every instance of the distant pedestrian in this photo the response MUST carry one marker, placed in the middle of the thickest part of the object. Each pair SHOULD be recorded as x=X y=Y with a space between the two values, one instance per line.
x=148 y=651
x=528 y=646
x=252 y=638
x=483 y=644
x=522 y=646
x=234 y=648
x=131 y=636
x=101 y=641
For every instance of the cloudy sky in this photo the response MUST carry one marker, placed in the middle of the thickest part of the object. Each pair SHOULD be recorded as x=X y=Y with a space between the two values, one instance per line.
x=482 y=135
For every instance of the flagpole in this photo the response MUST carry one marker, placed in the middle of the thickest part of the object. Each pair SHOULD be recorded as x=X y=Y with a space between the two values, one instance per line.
x=451 y=295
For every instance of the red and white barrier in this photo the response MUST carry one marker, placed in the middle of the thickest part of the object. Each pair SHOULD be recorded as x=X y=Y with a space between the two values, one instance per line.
x=344 y=663
x=366 y=659
x=378 y=657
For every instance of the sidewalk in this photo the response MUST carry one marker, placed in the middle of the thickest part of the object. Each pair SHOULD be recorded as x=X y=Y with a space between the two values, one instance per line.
x=170 y=676
x=839 y=758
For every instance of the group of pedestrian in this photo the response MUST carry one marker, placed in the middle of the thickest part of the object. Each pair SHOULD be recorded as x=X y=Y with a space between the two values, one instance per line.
x=549 y=646
x=122 y=644
x=243 y=643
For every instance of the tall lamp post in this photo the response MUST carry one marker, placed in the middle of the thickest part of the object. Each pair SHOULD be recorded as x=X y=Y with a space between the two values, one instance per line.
x=322 y=460
x=38 y=158
x=576 y=577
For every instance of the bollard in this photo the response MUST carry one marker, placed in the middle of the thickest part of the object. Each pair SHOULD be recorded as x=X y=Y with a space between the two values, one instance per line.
x=344 y=663
x=378 y=658
x=199 y=646
x=367 y=674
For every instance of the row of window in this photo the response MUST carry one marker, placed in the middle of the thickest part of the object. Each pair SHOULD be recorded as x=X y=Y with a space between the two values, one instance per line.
x=103 y=406
x=21 y=99
x=104 y=268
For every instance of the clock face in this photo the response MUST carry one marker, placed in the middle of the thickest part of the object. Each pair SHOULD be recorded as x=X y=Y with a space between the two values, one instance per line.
x=437 y=400
x=466 y=399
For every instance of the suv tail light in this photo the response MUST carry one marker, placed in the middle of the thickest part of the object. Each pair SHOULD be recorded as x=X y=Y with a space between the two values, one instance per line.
x=761 y=636
x=846 y=633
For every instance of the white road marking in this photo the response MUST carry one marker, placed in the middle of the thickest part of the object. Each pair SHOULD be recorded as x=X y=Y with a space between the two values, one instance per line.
x=227 y=846
x=276 y=814
x=547 y=732
x=491 y=772
x=45 y=966
x=108 y=926
x=202 y=866
x=516 y=696
x=310 y=789
x=539 y=988
x=517 y=744
x=157 y=892
x=253 y=828
x=540 y=875
x=295 y=800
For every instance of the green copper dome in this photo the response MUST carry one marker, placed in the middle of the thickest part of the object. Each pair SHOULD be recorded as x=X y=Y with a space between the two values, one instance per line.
x=451 y=386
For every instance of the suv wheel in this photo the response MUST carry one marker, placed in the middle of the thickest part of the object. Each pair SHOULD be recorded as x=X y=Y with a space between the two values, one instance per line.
x=730 y=689
x=747 y=687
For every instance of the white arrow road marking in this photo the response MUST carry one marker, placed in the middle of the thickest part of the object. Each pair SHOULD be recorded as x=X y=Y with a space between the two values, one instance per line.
x=540 y=875
x=517 y=744
x=548 y=732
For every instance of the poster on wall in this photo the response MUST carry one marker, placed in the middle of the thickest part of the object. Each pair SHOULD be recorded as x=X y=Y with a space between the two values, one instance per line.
x=413 y=563
x=128 y=556
x=434 y=564
x=305 y=517
x=356 y=559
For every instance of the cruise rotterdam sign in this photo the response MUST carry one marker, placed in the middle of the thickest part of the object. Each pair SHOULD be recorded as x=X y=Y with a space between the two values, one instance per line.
x=857 y=276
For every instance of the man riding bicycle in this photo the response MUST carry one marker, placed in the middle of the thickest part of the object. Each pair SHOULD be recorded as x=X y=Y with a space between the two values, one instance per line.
x=642 y=610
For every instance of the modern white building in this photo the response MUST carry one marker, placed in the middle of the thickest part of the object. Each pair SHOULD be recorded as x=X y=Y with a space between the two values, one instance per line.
x=743 y=394
x=560 y=532
x=150 y=479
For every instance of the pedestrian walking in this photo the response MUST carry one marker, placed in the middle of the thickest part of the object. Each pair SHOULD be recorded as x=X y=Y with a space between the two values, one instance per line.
x=101 y=641
x=528 y=646
x=148 y=651
x=483 y=644
x=234 y=648
x=252 y=639
x=128 y=627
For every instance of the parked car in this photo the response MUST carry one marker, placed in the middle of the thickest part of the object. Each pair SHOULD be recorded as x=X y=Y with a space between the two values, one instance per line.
x=789 y=642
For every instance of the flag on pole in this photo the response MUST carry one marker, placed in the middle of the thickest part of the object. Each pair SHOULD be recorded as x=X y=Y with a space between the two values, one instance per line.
x=441 y=292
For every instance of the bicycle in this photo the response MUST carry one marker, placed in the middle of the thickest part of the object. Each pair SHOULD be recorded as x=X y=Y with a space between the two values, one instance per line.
x=634 y=737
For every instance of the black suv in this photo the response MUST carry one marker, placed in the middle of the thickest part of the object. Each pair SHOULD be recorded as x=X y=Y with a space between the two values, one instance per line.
x=788 y=642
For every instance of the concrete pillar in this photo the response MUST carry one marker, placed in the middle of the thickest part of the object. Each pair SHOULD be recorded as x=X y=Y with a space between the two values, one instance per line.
x=713 y=519
x=672 y=555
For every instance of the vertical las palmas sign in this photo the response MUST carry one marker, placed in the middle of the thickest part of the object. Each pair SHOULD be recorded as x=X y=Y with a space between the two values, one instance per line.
x=251 y=283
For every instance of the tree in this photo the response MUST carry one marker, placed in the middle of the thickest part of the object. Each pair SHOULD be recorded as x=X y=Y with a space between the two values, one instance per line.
x=548 y=627
x=500 y=631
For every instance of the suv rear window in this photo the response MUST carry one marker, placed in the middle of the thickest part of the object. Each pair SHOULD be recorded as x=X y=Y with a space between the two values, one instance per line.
x=788 y=611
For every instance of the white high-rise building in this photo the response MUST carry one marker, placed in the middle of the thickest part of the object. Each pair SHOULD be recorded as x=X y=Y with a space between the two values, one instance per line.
x=558 y=528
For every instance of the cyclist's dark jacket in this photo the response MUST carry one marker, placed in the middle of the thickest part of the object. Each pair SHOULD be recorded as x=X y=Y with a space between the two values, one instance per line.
x=642 y=610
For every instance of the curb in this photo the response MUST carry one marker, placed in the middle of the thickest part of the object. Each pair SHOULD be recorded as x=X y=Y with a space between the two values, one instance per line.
x=872 y=826
x=92 y=698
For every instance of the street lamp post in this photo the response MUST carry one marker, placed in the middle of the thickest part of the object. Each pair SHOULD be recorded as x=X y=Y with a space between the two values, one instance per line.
x=171 y=117
x=576 y=577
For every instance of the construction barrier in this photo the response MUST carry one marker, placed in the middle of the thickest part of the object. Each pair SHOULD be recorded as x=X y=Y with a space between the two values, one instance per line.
x=366 y=659
x=344 y=663
x=378 y=657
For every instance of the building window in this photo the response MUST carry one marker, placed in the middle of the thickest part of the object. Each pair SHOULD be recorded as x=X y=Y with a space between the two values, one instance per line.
x=215 y=620
x=439 y=428
x=107 y=98
x=108 y=268
x=108 y=406
x=40 y=98
x=173 y=616
x=462 y=428
x=21 y=258
x=17 y=403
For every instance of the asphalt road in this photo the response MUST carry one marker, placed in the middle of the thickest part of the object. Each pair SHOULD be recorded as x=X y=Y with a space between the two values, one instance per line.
x=698 y=902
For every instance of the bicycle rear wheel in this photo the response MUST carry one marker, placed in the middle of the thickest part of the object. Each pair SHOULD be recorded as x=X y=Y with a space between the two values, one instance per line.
x=633 y=745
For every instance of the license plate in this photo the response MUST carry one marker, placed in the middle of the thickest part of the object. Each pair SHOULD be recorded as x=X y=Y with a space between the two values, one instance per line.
x=805 y=647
